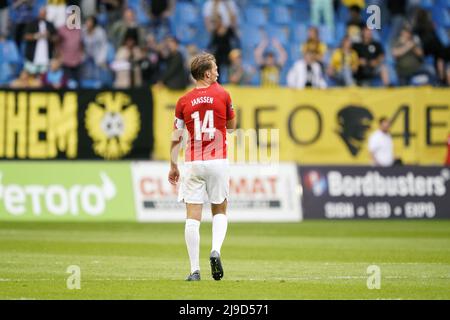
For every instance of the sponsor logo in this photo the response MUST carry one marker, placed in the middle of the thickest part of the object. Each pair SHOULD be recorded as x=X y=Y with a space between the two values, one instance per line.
x=353 y=124
x=113 y=122
x=316 y=183
x=57 y=199
x=372 y=184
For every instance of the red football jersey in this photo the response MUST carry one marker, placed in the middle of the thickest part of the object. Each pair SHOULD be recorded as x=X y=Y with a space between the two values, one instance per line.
x=205 y=112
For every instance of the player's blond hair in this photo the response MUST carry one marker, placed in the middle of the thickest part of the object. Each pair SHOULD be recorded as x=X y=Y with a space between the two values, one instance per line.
x=200 y=64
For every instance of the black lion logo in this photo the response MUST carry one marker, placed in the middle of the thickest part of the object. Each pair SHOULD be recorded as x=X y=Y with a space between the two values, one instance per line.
x=354 y=121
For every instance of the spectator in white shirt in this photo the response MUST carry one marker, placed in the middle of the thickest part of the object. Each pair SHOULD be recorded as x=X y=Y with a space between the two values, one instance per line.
x=226 y=9
x=381 y=146
x=306 y=73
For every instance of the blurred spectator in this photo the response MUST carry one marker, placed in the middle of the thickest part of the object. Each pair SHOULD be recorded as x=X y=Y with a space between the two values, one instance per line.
x=127 y=27
x=70 y=48
x=447 y=69
x=127 y=65
x=397 y=17
x=423 y=26
x=322 y=8
x=355 y=24
x=26 y=81
x=55 y=78
x=371 y=60
x=315 y=46
x=95 y=45
x=4 y=17
x=191 y=51
x=344 y=63
x=40 y=36
x=226 y=9
x=150 y=63
x=160 y=11
x=88 y=8
x=112 y=8
x=23 y=11
x=9 y=60
x=381 y=146
x=306 y=73
x=270 y=67
x=408 y=55
x=354 y=3
x=238 y=73
x=174 y=75
x=56 y=12
x=223 y=40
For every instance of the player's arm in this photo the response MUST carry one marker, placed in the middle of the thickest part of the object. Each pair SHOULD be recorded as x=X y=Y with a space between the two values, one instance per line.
x=177 y=135
x=231 y=115
x=231 y=124
x=174 y=173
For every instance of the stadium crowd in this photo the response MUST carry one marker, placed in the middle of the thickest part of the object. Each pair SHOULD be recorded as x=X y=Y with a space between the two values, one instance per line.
x=294 y=43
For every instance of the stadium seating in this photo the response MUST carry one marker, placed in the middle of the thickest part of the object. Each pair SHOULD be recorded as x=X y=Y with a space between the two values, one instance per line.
x=286 y=20
x=10 y=61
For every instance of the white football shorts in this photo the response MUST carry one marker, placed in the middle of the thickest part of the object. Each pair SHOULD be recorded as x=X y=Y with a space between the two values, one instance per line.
x=205 y=181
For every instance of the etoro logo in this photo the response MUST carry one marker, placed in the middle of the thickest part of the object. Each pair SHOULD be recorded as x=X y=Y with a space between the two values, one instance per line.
x=57 y=199
x=316 y=182
x=113 y=122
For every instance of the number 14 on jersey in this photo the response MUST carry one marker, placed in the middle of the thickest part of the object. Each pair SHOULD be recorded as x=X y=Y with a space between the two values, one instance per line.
x=205 y=126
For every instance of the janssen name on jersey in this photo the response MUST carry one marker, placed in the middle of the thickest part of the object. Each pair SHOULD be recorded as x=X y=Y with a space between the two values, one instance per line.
x=200 y=100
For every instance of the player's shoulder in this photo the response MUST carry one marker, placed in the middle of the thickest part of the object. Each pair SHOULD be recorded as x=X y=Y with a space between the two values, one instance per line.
x=185 y=97
x=220 y=90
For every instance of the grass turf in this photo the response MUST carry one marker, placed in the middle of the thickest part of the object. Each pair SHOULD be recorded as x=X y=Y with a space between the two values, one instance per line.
x=308 y=260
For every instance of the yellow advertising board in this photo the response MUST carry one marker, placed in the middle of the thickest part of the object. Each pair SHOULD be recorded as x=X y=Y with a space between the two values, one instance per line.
x=331 y=126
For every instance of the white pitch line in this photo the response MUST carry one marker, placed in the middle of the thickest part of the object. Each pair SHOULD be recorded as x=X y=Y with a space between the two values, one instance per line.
x=306 y=278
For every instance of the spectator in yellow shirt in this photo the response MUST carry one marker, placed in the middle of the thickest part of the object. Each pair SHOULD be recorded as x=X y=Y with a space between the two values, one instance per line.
x=270 y=65
x=359 y=3
x=315 y=46
x=344 y=63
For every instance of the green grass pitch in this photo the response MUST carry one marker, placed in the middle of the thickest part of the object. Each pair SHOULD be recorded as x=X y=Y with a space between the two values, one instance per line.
x=308 y=260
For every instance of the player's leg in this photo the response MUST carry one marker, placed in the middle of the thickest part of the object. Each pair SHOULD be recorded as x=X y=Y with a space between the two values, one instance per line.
x=192 y=192
x=217 y=187
x=219 y=230
x=192 y=237
x=219 y=225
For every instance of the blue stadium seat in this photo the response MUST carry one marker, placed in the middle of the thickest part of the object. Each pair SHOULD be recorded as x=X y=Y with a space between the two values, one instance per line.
x=91 y=84
x=299 y=32
x=289 y=2
x=111 y=53
x=341 y=31
x=280 y=33
x=251 y=36
x=142 y=13
x=327 y=36
x=260 y=2
x=187 y=13
x=185 y=34
x=443 y=36
x=255 y=16
x=343 y=13
x=427 y=4
x=393 y=77
x=294 y=52
x=301 y=14
x=281 y=14
x=446 y=17
x=10 y=61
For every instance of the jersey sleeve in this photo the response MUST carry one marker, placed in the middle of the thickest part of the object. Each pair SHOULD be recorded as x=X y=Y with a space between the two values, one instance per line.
x=230 y=109
x=179 y=118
